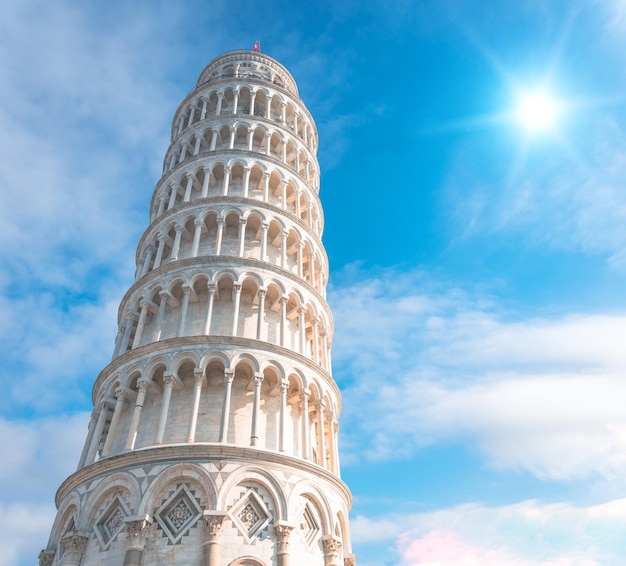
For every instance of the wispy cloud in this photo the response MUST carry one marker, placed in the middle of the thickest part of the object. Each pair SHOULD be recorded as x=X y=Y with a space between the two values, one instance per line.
x=437 y=364
x=39 y=455
x=524 y=534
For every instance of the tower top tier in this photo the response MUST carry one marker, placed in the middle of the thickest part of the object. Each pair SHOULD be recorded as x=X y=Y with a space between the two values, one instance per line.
x=246 y=64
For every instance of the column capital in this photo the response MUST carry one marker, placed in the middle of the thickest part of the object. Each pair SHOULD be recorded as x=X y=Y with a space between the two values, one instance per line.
x=198 y=222
x=243 y=220
x=237 y=287
x=74 y=543
x=169 y=379
x=187 y=289
x=349 y=560
x=258 y=378
x=143 y=385
x=332 y=546
x=284 y=385
x=261 y=292
x=305 y=393
x=211 y=287
x=229 y=375
x=283 y=300
x=137 y=529
x=46 y=557
x=213 y=521
x=220 y=220
x=265 y=225
x=198 y=375
x=120 y=394
x=283 y=531
x=320 y=405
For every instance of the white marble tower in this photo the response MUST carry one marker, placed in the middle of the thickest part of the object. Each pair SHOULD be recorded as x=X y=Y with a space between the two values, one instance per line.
x=213 y=439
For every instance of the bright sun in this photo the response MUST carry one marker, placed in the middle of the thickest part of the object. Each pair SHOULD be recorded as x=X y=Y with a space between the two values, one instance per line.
x=537 y=111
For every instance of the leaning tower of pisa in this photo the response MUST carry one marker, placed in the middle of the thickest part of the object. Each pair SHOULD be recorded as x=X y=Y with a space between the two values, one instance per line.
x=213 y=439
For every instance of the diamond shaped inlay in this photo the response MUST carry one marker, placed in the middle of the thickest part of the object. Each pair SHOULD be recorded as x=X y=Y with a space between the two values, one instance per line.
x=178 y=513
x=309 y=526
x=111 y=521
x=250 y=515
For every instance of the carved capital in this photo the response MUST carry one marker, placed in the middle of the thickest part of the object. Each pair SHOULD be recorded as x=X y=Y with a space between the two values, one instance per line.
x=46 y=557
x=283 y=531
x=258 y=379
x=349 y=560
x=74 y=544
x=137 y=529
x=229 y=375
x=332 y=546
x=198 y=375
x=213 y=522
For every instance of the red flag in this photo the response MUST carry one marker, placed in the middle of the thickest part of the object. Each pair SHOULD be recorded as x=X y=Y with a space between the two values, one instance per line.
x=256 y=45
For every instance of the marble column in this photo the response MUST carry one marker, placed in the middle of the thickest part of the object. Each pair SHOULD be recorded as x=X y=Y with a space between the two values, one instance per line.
x=284 y=386
x=213 y=521
x=332 y=548
x=74 y=544
x=229 y=375
x=198 y=381
x=258 y=381
x=142 y=388
x=137 y=531
x=283 y=531
x=120 y=396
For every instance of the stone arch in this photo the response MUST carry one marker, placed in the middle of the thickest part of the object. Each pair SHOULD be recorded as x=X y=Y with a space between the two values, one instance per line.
x=255 y=475
x=247 y=561
x=214 y=356
x=178 y=473
x=67 y=517
x=308 y=490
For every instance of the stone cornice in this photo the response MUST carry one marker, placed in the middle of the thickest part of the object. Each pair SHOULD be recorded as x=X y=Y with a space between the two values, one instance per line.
x=197 y=453
x=189 y=342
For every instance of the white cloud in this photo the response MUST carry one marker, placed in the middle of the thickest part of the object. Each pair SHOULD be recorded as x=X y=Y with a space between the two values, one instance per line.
x=524 y=534
x=37 y=456
x=436 y=365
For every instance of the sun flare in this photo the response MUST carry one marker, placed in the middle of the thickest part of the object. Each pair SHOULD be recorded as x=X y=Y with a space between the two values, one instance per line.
x=537 y=111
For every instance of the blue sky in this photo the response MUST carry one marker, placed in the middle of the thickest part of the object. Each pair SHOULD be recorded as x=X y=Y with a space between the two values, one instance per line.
x=478 y=270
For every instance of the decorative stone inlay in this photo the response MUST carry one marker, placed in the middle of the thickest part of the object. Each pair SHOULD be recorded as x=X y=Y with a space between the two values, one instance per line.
x=250 y=515
x=114 y=523
x=178 y=514
x=309 y=525
x=111 y=521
